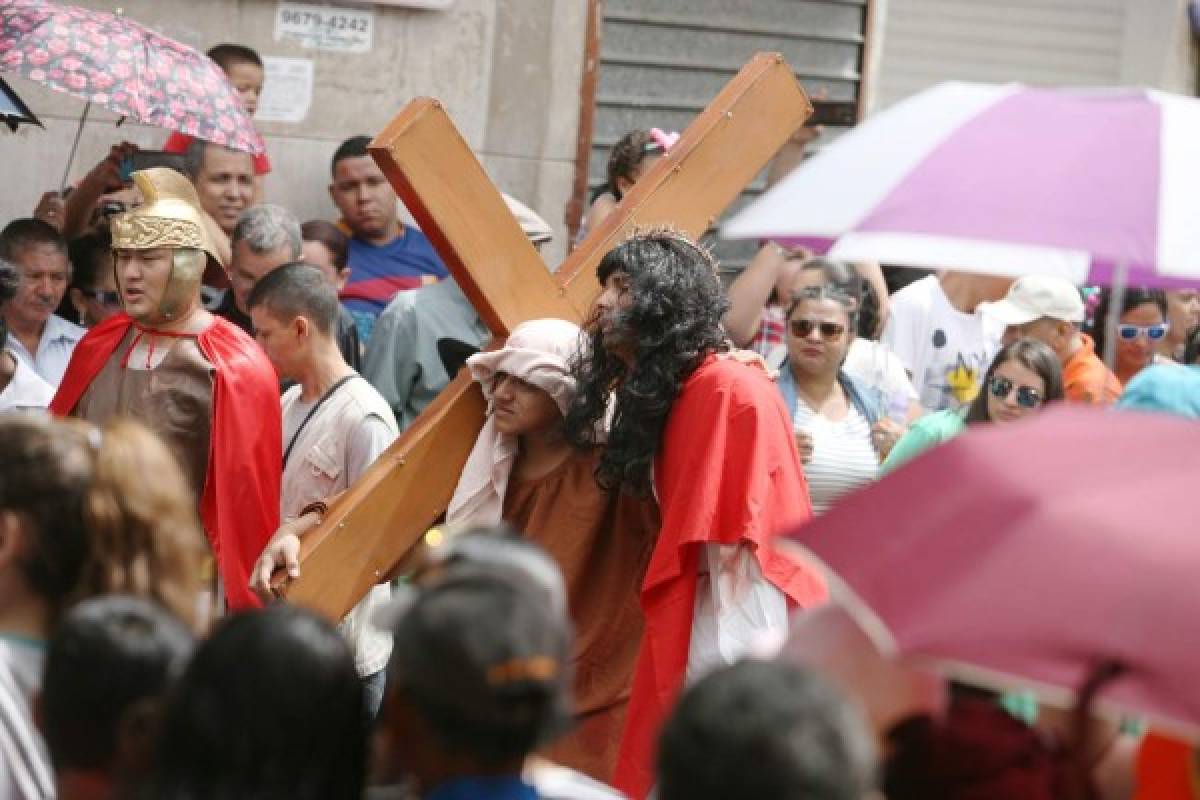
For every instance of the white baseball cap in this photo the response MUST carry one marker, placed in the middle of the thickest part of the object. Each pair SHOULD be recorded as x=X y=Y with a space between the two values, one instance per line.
x=1035 y=296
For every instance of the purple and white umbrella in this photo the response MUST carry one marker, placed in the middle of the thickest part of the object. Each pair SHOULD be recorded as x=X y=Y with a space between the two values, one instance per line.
x=1005 y=180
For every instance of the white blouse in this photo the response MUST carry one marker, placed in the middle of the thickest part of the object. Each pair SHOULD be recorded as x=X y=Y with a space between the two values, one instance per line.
x=843 y=457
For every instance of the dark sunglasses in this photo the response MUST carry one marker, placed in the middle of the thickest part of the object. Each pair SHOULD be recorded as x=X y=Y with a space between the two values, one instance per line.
x=801 y=328
x=1152 y=332
x=110 y=299
x=1027 y=396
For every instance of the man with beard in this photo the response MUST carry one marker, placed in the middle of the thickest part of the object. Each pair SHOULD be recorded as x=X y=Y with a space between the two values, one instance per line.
x=196 y=380
x=710 y=437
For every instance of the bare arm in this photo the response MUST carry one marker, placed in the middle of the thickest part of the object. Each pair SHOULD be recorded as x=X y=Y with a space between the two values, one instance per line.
x=750 y=291
x=104 y=177
x=282 y=552
x=50 y=209
x=605 y=204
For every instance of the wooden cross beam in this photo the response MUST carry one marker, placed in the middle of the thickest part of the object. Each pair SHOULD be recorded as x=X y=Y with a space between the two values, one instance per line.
x=378 y=521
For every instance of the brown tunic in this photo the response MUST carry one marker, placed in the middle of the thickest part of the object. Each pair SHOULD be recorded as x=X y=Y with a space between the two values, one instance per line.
x=174 y=399
x=602 y=542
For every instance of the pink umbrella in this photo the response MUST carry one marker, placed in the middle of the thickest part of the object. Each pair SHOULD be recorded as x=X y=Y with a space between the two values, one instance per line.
x=106 y=59
x=1031 y=554
x=1092 y=185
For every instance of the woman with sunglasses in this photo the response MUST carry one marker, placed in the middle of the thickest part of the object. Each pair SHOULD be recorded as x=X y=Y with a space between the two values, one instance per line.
x=840 y=423
x=1023 y=377
x=1141 y=327
x=93 y=290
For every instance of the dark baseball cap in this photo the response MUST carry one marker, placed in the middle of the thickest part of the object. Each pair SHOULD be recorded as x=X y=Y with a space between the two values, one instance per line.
x=484 y=656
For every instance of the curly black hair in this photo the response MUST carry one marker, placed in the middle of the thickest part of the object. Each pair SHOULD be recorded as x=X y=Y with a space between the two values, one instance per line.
x=672 y=322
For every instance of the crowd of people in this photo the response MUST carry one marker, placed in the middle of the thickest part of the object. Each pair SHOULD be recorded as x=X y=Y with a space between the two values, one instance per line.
x=190 y=377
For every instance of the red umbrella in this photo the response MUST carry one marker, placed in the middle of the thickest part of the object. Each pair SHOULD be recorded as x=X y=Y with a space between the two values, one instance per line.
x=106 y=59
x=1035 y=553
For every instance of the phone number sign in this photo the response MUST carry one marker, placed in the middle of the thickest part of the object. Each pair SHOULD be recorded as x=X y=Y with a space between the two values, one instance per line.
x=325 y=27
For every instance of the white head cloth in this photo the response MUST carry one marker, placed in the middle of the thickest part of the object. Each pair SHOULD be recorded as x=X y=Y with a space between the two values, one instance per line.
x=538 y=352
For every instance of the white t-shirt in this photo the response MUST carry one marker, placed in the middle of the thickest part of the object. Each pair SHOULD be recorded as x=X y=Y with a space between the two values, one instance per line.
x=365 y=441
x=876 y=366
x=945 y=350
x=843 y=457
x=27 y=389
x=54 y=349
x=341 y=440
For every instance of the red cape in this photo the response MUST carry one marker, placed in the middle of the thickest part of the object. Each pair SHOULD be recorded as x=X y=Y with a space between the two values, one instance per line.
x=727 y=473
x=239 y=506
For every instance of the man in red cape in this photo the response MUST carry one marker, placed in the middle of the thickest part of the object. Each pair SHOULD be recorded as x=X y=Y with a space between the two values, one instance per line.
x=711 y=438
x=198 y=381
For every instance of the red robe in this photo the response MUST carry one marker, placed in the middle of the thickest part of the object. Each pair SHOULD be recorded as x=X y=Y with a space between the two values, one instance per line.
x=1167 y=769
x=727 y=473
x=239 y=506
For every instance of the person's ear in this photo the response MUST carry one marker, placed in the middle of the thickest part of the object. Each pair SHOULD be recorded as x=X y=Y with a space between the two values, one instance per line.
x=624 y=185
x=12 y=538
x=77 y=301
x=301 y=327
x=343 y=275
x=134 y=738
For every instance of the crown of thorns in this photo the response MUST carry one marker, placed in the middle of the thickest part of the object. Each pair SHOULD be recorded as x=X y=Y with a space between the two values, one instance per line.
x=665 y=233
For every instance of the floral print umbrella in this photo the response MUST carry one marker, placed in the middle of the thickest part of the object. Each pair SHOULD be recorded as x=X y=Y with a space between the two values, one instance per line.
x=114 y=62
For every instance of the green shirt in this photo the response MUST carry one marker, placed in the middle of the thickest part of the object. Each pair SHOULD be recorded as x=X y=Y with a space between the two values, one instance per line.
x=929 y=430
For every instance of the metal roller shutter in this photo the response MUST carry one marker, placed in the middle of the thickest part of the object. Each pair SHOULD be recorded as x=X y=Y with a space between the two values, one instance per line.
x=661 y=61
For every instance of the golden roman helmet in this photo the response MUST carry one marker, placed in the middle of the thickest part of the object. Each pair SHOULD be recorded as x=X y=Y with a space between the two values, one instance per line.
x=169 y=217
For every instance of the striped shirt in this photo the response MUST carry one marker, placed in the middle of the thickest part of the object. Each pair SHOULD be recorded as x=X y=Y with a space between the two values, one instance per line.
x=772 y=330
x=843 y=457
x=377 y=272
x=25 y=772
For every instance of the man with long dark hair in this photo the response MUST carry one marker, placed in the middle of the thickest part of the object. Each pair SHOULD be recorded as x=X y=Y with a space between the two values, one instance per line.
x=711 y=438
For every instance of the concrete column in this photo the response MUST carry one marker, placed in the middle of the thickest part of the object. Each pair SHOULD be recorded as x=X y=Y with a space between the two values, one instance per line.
x=1158 y=48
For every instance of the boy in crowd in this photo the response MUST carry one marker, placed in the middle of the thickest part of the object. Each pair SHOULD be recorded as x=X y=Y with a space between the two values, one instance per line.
x=244 y=68
x=386 y=256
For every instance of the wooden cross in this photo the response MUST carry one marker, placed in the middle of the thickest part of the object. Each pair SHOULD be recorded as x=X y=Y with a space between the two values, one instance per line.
x=378 y=521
